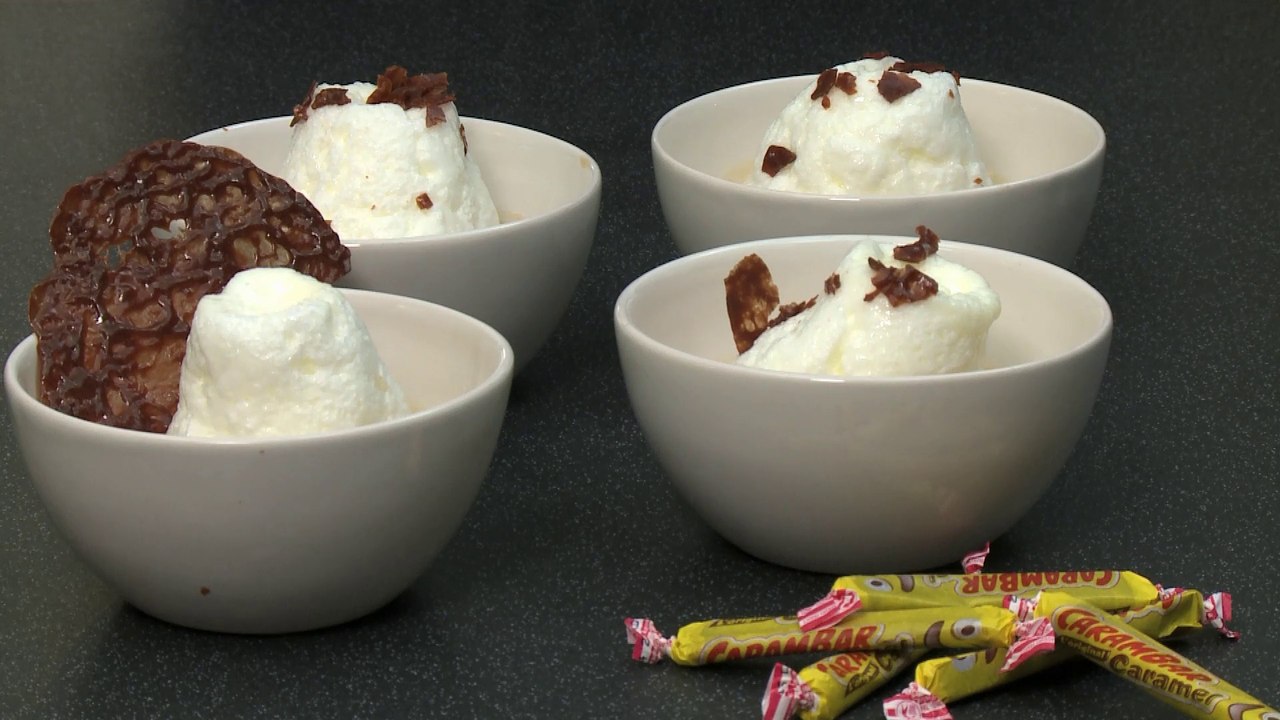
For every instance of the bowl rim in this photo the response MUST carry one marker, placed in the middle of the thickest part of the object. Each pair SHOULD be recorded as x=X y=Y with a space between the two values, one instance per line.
x=725 y=185
x=496 y=233
x=624 y=325
x=28 y=403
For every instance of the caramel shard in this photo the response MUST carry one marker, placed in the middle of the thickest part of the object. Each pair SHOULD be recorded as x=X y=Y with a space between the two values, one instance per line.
x=134 y=250
x=750 y=297
x=894 y=86
x=790 y=310
x=925 y=67
x=428 y=91
x=899 y=285
x=330 y=96
x=847 y=82
x=831 y=284
x=315 y=100
x=826 y=81
x=776 y=157
x=915 y=252
x=303 y=109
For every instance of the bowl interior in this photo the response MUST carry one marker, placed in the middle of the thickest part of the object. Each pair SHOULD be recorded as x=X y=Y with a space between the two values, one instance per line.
x=1046 y=312
x=528 y=173
x=1021 y=134
x=437 y=355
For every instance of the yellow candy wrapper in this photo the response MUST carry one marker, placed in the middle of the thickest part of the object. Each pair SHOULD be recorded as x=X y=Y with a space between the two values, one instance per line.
x=713 y=641
x=1108 y=589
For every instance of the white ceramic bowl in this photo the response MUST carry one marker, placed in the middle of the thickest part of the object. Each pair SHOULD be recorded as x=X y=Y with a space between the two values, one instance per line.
x=1045 y=155
x=279 y=534
x=860 y=475
x=518 y=276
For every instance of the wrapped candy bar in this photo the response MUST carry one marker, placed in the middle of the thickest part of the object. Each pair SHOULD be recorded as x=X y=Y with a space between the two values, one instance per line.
x=1108 y=589
x=1135 y=656
x=829 y=687
x=712 y=641
x=943 y=680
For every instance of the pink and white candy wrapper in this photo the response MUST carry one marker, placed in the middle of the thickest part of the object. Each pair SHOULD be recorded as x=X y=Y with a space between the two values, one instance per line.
x=976 y=560
x=647 y=644
x=830 y=610
x=786 y=695
x=915 y=703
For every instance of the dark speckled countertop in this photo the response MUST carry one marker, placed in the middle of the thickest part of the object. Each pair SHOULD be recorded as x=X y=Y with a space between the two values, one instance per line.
x=1177 y=475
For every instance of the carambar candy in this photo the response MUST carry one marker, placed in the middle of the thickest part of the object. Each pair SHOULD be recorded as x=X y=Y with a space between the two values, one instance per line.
x=712 y=641
x=1135 y=656
x=943 y=680
x=829 y=687
x=1108 y=589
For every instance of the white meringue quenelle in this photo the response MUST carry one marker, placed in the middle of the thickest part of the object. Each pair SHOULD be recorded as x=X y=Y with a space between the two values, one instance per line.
x=870 y=130
x=278 y=353
x=845 y=334
x=381 y=171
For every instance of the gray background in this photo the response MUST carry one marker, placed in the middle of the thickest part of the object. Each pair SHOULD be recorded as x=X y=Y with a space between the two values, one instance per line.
x=577 y=526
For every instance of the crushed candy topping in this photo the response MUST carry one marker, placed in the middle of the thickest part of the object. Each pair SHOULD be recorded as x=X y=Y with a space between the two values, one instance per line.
x=832 y=284
x=424 y=201
x=776 y=157
x=847 y=82
x=428 y=91
x=790 y=310
x=924 y=67
x=920 y=249
x=330 y=96
x=826 y=81
x=894 y=86
x=301 y=110
x=899 y=285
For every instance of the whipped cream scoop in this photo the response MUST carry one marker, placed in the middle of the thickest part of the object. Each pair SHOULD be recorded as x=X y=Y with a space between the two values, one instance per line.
x=381 y=170
x=280 y=353
x=867 y=129
x=845 y=333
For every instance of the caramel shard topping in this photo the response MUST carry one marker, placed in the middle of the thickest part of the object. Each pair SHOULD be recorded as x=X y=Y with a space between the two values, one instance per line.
x=894 y=86
x=899 y=285
x=134 y=251
x=848 y=82
x=316 y=100
x=829 y=78
x=826 y=81
x=790 y=310
x=750 y=297
x=424 y=201
x=831 y=284
x=428 y=91
x=925 y=67
x=876 y=55
x=920 y=249
x=776 y=157
x=462 y=133
x=300 y=111
x=330 y=96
